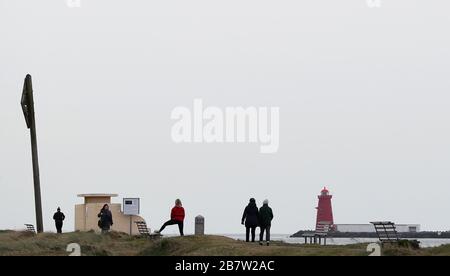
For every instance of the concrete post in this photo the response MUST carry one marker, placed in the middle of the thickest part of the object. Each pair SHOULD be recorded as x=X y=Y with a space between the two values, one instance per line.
x=199 y=225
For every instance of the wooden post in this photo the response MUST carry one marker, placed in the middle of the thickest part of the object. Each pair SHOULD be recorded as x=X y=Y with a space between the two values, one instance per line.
x=28 y=110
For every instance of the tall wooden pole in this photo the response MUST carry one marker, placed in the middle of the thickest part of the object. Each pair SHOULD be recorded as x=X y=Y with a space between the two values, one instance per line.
x=28 y=108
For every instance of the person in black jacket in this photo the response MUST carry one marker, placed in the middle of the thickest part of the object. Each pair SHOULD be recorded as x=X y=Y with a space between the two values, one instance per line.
x=265 y=221
x=250 y=220
x=59 y=217
x=106 y=220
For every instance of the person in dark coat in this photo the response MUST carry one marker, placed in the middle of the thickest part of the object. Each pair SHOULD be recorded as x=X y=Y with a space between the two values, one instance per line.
x=106 y=219
x=59 y=217
x=265 y=221
x=250 y=220
x=176 y=218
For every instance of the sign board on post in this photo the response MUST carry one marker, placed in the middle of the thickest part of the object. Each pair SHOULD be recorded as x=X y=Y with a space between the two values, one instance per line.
x=131 y=206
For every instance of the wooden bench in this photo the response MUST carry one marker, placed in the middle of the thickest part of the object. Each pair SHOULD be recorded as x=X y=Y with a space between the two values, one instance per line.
x=144 y=231
x=321 y=233
x=30 y=228
x=386 y=231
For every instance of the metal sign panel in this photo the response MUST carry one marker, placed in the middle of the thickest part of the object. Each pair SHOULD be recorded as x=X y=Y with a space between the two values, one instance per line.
x=25 y=101
x=131 y=206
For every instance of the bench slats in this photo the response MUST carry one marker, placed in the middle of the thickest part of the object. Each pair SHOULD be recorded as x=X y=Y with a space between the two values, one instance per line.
x=144 y=230
x=386 y=231
x=30 y=228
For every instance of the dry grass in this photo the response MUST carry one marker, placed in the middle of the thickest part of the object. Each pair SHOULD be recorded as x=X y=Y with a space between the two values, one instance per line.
x=29 y=244
x=222 y=246
x=116 y=244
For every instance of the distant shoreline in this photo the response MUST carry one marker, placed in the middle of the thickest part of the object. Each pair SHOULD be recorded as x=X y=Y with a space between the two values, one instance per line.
x=409 y=235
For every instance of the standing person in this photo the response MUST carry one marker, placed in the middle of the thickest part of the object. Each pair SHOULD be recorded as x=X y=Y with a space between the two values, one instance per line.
x=250 y=220
x=176 y=217
x=265 y=221
x=106 y=219
x=59 y=217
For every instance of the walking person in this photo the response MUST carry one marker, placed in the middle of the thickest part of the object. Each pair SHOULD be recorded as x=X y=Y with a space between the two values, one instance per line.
x=59 y=218
x=265 y=222
x=106 y=219
x=250 y=220
x=176 y=218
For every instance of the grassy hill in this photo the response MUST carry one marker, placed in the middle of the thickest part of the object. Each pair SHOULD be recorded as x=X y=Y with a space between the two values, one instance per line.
x=24 y=243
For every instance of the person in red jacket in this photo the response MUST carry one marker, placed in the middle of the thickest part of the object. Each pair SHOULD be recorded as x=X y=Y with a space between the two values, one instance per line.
x=176 y=217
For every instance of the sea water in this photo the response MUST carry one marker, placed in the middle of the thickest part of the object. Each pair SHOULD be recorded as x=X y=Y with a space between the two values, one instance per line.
x=339 y=241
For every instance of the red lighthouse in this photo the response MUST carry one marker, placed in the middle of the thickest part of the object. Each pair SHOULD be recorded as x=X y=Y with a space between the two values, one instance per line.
x=324 y=210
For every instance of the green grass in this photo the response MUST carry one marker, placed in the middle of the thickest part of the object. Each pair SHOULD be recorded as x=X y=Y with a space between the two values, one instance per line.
x=117 y=244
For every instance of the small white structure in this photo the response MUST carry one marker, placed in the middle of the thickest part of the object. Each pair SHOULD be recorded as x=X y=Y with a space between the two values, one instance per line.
x=86 y=218
x=369 y=228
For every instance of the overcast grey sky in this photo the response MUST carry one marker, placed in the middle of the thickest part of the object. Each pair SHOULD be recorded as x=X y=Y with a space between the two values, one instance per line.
x=363 y=96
